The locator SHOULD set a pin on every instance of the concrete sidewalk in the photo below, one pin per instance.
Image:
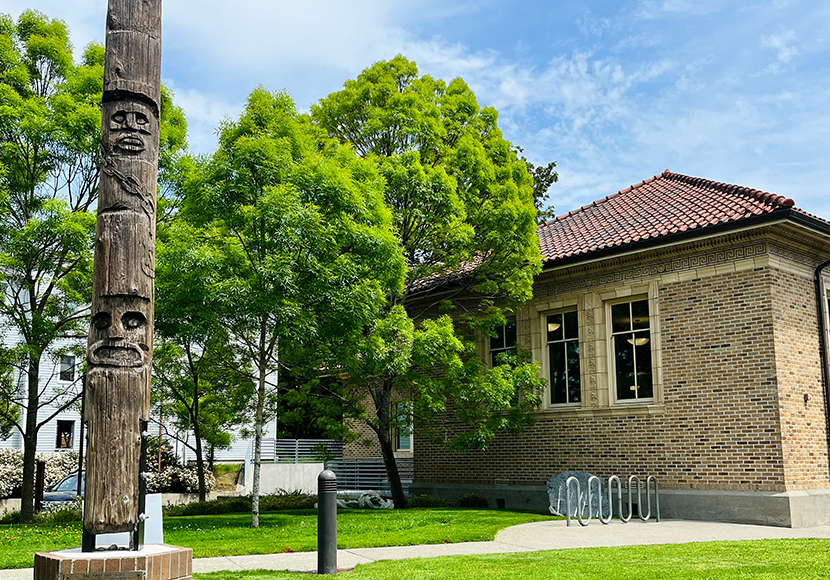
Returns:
(549, 535)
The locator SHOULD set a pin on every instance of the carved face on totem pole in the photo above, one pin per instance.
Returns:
(130, 147)
(120, 335)
(130, 127)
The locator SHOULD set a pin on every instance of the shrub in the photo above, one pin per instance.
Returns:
(60, 513)
(11, 472)
(222, 505)
(426, 501)
(472, 500)
(10, 517)
(58, 465)
(287, 500)
(178, 480)
(168, 456)
(283, 500)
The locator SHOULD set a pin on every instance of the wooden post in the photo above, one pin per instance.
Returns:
(120, 347)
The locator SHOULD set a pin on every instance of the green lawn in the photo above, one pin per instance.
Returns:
(751, 560)
(296, 531)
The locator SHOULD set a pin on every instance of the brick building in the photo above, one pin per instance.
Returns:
(681, 325)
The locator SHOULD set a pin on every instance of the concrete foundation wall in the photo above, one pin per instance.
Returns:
(276, 477)
(793, 509)
(9, 505)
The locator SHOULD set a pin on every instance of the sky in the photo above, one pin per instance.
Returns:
(613, 91)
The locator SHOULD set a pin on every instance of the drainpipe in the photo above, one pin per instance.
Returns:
(821, 299)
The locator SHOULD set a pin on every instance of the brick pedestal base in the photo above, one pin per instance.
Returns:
(154, 562)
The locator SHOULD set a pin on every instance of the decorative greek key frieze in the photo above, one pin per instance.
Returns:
(653, 269)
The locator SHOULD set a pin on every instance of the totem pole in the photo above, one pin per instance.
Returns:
(120, 347)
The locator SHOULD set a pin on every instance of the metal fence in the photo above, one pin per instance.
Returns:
(370, 474)
(300, 450)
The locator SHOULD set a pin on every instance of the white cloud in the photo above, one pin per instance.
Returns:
(781, 43)
(203, 113)
(611, 98)
(650, 9)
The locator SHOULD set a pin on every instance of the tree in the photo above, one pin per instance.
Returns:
(50, 125)
(49, 132)
(301, 238)
(463, 208)
(543, 177)
(200, 379)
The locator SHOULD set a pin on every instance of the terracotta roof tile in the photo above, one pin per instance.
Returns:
(660, 206)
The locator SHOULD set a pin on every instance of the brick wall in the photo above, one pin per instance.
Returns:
(803, 426)
(738, 347)
(365, 445)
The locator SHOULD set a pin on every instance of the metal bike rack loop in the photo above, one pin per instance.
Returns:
(594, 481)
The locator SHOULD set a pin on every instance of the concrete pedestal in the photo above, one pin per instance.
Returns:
(153, 562)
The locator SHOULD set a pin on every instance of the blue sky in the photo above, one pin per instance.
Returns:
(614, 92)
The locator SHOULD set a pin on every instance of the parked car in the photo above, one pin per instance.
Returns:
(65, 490)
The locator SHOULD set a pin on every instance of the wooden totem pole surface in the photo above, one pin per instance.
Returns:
(120, 347)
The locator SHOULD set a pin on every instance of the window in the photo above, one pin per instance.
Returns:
(503, 342)
(63, 439)
(631, 337)
(403, 432)
(67, 372)
(563, 357)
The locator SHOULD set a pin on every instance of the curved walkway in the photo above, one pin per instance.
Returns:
(548, 535)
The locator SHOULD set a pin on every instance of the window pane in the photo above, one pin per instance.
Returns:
(624, 363)
(639, 311)
(510, 334)
(554, 327)
(643, 348)
(557, 373)
(574, 390)
(498, 340)
(621, 317)
(63, 439)
(67, 368)
(571, 325)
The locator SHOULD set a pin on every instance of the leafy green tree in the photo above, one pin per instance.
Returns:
(543, 177)
(199, 376)
(462, 204)
(49, 130)
(301, 237)
(50, 125)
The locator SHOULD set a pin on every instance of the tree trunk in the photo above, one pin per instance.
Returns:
(382, 397)
(197, 433)
(258, 420)
(391, 465)
(27, 492)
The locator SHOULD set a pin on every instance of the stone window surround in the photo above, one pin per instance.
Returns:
(596, 352)
(568, 306)
(612, 371)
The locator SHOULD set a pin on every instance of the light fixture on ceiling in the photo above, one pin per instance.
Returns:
(553, 326)
(637, 341)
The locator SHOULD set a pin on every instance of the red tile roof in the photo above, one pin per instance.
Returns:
(666, 204)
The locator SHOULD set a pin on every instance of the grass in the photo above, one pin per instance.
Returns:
(286, 531)
(756, 560)
(296, 531)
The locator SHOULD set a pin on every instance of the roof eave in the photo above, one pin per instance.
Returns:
(781, 214)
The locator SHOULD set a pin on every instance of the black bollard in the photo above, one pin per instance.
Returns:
(327, 522)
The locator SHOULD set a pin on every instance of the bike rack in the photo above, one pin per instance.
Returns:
(597, 482)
